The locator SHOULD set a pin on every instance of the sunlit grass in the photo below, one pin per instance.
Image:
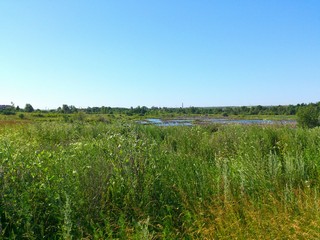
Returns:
(97, 180)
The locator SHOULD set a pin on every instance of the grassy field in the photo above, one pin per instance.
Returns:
(120, 180)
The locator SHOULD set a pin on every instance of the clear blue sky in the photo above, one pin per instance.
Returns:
(159, 53)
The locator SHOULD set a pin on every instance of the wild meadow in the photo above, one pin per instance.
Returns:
(79, 180)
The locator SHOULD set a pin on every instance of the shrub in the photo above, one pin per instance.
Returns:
(308, 117)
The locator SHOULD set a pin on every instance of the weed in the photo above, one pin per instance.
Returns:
(91, 180)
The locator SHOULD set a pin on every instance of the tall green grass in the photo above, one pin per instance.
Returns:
(122, 181)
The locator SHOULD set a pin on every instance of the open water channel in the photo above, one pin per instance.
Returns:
(199, 121)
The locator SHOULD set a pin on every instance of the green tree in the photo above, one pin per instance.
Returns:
(28, 108)
(308, 116)
(66, 108)
(8, 110)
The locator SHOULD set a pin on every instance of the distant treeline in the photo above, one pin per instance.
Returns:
(225, 111)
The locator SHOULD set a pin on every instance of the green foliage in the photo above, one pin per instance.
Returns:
(28, 108)
(7, 109)
(308, 116)
(280, 110)
(66, 109)
(79, 116)
(94, 180)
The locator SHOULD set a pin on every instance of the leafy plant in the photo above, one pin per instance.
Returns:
(308, 116)
(86, 180)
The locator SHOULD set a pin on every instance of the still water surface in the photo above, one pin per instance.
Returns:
(190, 122)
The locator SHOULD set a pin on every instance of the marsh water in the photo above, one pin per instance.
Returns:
(199, 121)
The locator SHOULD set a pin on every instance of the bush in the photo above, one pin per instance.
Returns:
(308, 116)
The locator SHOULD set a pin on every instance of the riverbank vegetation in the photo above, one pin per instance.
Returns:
(119, 180)
(235, 111)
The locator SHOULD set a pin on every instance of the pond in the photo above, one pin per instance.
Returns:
(165, 123)
(201, 121)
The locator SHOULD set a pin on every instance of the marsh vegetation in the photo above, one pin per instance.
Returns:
(93, 180)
